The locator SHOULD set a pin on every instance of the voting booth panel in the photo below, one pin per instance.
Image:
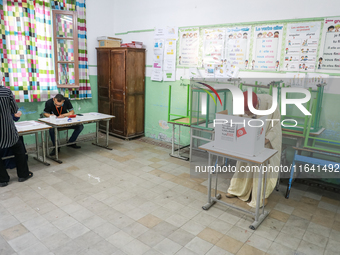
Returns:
(241, 135)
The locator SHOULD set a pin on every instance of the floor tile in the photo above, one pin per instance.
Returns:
(210, 235)
(23, 242)
(76, 230)
(152, 238)
(288, 240)
(229, 244)
(239, 234)
(135, 248)
(167, 247)
(13, 232)
(120, 239)
(199, 246)
(181, 237)
(259, 242)
(248, 249)
(150, 221)
(309, 248)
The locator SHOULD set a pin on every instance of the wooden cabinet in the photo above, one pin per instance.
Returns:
(121, 89)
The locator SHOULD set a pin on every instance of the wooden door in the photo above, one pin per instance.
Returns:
(135, 76)
(118, 91)
(103, 76)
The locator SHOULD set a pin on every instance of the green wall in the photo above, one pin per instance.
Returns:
(31, 111)
(156, 109)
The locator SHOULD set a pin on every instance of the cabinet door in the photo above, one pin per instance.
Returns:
(118, 90)
(103, 76)
(135, 79)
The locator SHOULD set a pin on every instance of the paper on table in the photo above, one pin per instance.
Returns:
(94, 113)
(26, 123)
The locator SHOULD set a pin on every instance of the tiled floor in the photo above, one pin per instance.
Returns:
(136, 200)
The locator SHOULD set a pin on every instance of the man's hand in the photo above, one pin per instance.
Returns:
(18, 114)
(61, 116)
(267, 141)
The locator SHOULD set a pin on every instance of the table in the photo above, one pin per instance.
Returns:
(87, 118)
(33, 127)
(261, 159)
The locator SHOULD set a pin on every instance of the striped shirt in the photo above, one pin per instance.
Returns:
(8, 132)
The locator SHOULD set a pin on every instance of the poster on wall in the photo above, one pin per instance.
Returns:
(170, 60)
(237, 46)
(301, 46)
(157, 64)
(213, 46)
(267, 47)
(329, 57)
(188, 50)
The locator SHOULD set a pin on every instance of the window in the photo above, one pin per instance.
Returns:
(66, 48)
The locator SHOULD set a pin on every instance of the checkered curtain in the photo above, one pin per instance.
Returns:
(26, 49)
(84, 91)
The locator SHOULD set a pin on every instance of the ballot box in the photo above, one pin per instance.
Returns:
(241, 135)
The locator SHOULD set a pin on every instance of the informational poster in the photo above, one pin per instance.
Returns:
(158, 56)
(221, 71)
(213, 46)
(166, 32)
(267, 48)
(301, 46)
(237, 46)
(189, 44)
(209, 70)
(330, 54)
(170, 60)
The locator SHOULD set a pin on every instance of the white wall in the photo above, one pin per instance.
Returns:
(100, 22)
(146, 14)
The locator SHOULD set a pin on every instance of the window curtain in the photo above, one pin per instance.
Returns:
(26, 49)
(84, 91)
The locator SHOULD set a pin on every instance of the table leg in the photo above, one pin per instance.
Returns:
(56, 143)
(190, 153)
(38, 149)
(210, 201)
(43, 148)
(107, 136)
(107, 133)
(97, 132)
(259, 218)
(258, 198)
(264, 188)
(179, 140)
(173, 140)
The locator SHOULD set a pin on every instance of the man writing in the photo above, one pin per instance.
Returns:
(9, 138)
(61, 107)
(244, 185)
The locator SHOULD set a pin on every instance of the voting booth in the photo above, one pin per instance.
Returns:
(241, 135)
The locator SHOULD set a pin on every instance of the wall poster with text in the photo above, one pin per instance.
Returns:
(301, 46)
(237, 46)
(267, 47)
(329, 57)
(189, 44)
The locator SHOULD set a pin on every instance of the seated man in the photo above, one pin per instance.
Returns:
(61, 107)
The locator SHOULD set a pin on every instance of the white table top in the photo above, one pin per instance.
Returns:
(87, 118)
(260, 159)
(30, 126)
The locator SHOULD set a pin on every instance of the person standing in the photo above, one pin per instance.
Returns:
(10, 163)
(9, 138)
